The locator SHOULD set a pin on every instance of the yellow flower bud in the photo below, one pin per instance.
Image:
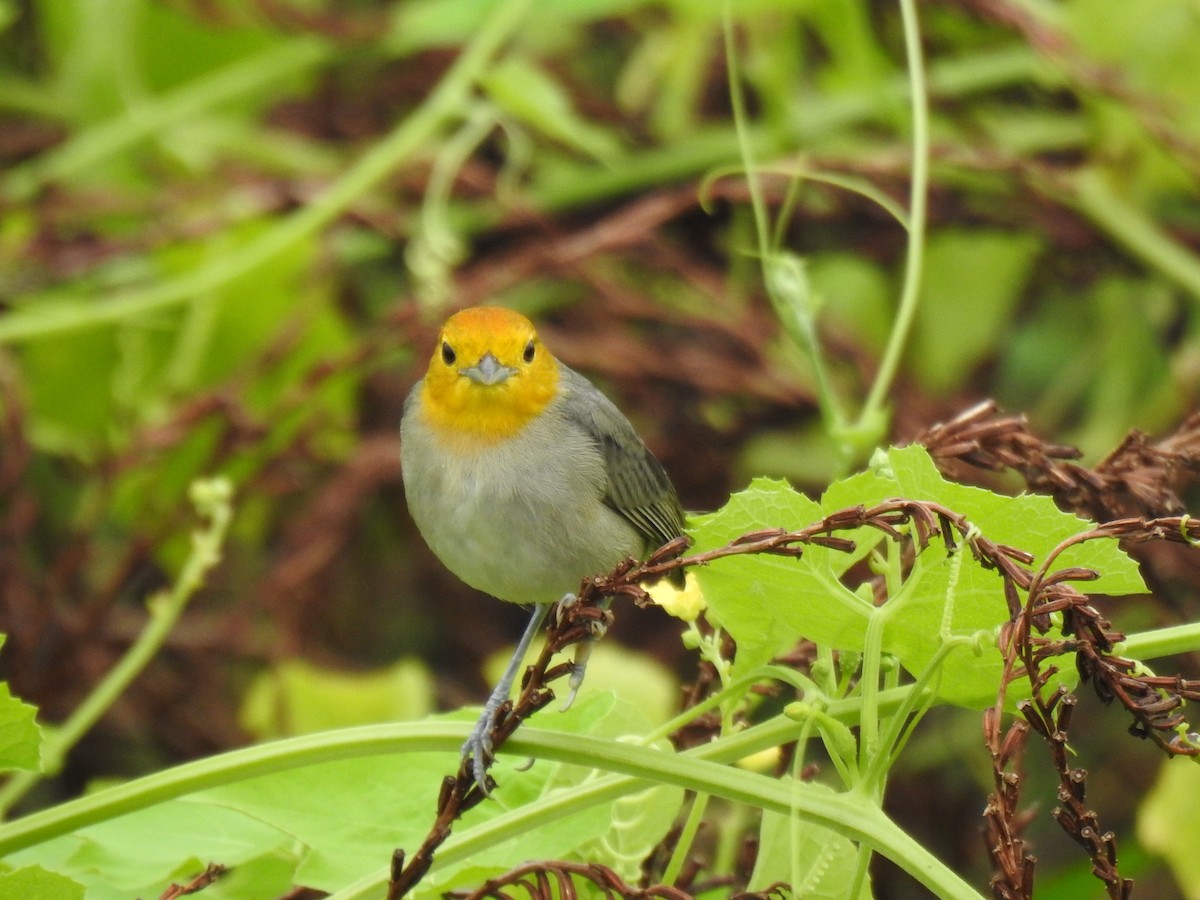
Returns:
(684, 603)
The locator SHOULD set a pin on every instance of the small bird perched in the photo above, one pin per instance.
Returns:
(523, 478)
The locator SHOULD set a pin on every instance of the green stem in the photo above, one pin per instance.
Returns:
(700, 770)
(212, 500)
(727, 695)
(1161, 642)
(920, 694)
(436, 247)
(447, 100)
(278, 756)
(868, 825)
(910, 294)
(783, 280)
(862, 864)
(695, 770)
(745, 144)
(455, 152)
(870, 689)
(687, 836)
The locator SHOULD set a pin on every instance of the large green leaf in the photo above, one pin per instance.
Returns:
(324, 826)
(766, 602)
(37, 883)
(973, 281)
(141, 854)
(298, 697)
(20, 737)
(1167, 822)
(950, 593)
(817, 863)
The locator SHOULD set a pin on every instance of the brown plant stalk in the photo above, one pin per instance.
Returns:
(1129, 491)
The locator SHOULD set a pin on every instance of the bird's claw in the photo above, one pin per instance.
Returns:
(575, 682)
(596, 618)
(597, 626)
(583, 651)
(478, 746)
(563, 607)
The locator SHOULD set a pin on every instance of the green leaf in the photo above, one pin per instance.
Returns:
(855, 297)
(69, 381)
(1154, 44)
(1030, 522)
(298, 697)
(637, 825)
(972, 282)
(950, 594)
(611, 668)
(530, 96)
(806, 454)
(346, 815)
(39, 884)
(142, 853)
(176, 47)
(766, 602)
(817, 863)
(269, 875)
(20, 737)
(1167, 822)
(1113, 370)
(1130, 371)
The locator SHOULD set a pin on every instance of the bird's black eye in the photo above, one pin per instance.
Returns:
(529, 348)
(448, 354)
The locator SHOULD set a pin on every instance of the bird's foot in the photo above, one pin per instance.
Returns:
(595, 618)
(479, 745)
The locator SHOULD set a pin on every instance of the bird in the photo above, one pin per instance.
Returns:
(524, 478)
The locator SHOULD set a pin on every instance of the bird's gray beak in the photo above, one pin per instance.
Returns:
(488, 371)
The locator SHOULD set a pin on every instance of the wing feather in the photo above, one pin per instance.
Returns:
(638, 487)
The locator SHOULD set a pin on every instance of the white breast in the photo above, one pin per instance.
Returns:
(523, 520)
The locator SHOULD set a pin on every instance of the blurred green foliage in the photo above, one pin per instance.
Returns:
(1166, 825)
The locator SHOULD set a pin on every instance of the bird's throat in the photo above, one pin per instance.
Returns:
(468, 415)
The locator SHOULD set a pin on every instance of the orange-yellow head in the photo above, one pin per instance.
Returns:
(490, 375)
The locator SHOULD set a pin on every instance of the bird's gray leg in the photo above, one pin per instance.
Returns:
(479, 744)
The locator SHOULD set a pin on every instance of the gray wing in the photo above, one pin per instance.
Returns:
(638, 486)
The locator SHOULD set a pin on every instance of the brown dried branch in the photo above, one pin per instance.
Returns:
(549, 880)
(1139, 478)
(1152, 701)
(1004, 820)
(211, 873)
